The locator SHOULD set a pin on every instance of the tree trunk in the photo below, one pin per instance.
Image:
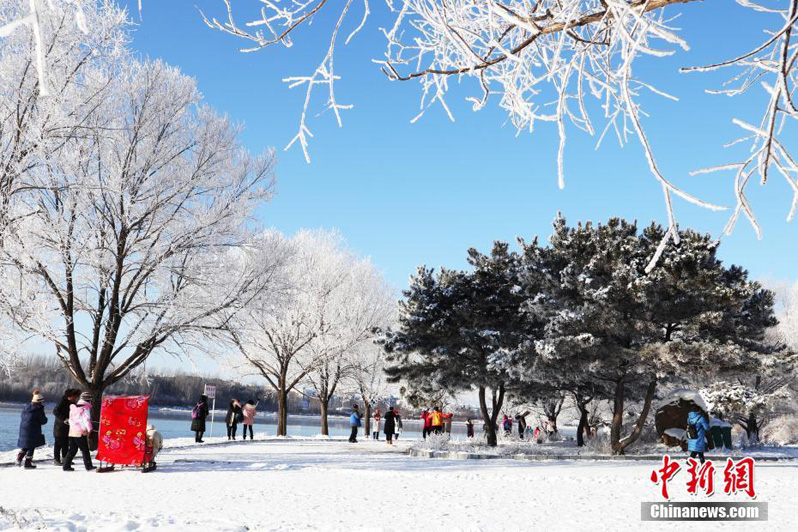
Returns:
(282, 412)
(641, 421)
(489, 418)
(324, 405)
(367, 424)
(96, 408)
(617, 418)
(583, 424)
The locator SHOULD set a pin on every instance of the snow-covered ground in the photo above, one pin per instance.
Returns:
(321, 484)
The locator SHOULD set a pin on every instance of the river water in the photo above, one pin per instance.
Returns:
(173, 423)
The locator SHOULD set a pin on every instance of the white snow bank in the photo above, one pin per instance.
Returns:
(333, 485)
(683, 393)
(675, 433)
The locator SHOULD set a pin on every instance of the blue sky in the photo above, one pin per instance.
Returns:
(410, 194)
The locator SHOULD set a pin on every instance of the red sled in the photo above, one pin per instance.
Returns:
(123, 433)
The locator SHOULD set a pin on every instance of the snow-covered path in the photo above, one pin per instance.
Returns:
(331, 485)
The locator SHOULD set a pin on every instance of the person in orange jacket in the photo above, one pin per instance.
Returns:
(438, 418)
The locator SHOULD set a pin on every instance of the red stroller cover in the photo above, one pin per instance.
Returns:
(123, 428)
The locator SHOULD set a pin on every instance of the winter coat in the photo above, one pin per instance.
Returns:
(427, 417)
(234, 414)
(30, 426)
(154, 441)
(354, 419)
(437, 419)
(699, 444)
(80, 419)
(61, 413)
(390, 423)
(249, 414)
(198, 423)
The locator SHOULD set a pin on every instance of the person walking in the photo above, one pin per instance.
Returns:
(198, 415)
(469, 429)
(375, 429)
(355, 420)
(399, 427)
(507, 425)
(427, 427)
(30, 429)
(697, 428)
(80, 428)
(249, 411)
(234, 416)
(521, 420)
(390, 425)
(61, 424)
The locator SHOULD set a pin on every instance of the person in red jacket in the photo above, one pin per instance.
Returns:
(427, 418)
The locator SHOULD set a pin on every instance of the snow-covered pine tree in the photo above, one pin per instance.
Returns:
(613, 323)
(752, 401)
(461, 331)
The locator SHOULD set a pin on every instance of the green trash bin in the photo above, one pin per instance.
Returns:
(717, 436)
(727, 438)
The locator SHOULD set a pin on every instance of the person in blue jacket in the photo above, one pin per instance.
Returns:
(355, 422)
(698, 445)
(30, 429)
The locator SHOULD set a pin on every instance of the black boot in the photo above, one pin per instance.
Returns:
(20, 456)
(29, 463)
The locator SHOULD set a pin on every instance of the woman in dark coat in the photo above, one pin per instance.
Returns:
(234, 416)
(198, 415)
(30, 429)
(61, 425)
(390, 425)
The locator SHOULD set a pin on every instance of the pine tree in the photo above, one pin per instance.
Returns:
(462, 331)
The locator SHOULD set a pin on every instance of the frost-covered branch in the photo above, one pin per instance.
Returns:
(278, 20)
(770, 66)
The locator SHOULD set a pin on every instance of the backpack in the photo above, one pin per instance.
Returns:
(195, 412)
(692, 431)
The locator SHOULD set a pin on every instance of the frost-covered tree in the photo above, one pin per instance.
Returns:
(274, 335)
(752, 401)
(129, 240)
(460, 331)
(56, 63)
(362, 304)
(614, 322)
(568, 63)
(368, 378)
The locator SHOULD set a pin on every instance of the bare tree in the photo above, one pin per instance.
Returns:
(130, 240)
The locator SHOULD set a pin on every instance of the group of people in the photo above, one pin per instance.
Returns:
(436, 422)
(391, 424)
(71, 430)
(236, 414)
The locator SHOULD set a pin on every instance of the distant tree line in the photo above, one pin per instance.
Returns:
(176, 389)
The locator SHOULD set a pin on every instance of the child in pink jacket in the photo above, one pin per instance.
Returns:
(80, 428)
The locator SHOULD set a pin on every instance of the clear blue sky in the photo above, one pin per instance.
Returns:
(410, 194)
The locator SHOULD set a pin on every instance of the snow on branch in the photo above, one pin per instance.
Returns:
(278, 20)
(771, 66)
(31, 20)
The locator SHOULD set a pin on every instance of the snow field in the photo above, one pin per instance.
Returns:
(287, 484)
